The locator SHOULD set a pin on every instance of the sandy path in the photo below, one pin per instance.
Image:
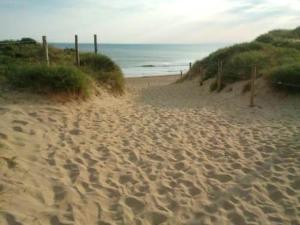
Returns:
(162, 154)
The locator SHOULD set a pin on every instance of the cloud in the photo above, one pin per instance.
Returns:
(155, 21)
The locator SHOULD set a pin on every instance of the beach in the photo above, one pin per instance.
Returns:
(163, 153)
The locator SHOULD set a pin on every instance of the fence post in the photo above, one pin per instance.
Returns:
(190, 72)
(77, 51)
(45, 47)
(201, 77)
(253, 78)
(95, 44)
(219, 78)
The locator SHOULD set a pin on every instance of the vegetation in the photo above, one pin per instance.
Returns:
(103, 70)
(53, 79)
(279, 47)
(22, 65)
(286, 77)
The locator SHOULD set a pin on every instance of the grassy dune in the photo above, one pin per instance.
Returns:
(276, 55)
(22, 66)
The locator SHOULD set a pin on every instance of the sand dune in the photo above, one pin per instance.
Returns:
(162, 154)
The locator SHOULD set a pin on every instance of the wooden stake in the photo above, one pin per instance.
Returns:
(253, 78)
(95, 44)
(219, 77)
(45, 47)
(77, 51)
(190, 72)
(201, 77)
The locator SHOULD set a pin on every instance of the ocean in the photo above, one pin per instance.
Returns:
(150, 59)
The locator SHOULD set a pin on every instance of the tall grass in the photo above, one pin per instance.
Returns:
(26, 54)
(286, 77)
(267, 52)
(104, 70)
(49, 80)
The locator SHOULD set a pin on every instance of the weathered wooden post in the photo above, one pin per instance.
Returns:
(190, 71)
(253, 78)
(201, 76)
(45, 47)
(219, 77)
(77, 51)
(95, 44)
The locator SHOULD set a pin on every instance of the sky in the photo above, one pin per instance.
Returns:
(146, 21)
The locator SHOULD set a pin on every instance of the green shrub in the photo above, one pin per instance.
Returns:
(27, 51)
(49, 80)
(104, 70)
(279, 47)
(265, 38)
(240, 65)
(286, 77)
(210, 63)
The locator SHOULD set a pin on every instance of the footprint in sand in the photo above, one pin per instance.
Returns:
(69, 215)
(73, 170)
(135, 204)
(101, 222)
(59, 193)
(21, 122)
(93, 175)
(3, 136)
(156, 217)
(127, 179)
(18, 129)
(236, 218)
(76, 132)
(90, 161)
(223, 178)
(55, 221)
(11, 220)
(50, 159)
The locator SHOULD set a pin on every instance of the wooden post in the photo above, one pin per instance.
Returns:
(219, 77)
(201, 77)
(45, 47)
(95, 44)
(190, 72)
(253, 78)
(77, 51)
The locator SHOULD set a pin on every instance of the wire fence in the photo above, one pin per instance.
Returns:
(215, 67)
(247, 69)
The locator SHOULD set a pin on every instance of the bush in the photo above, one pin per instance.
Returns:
(49, 80)
(265, 38)
(238, 60)
(286, 77)
(240, 65)
(104, 70)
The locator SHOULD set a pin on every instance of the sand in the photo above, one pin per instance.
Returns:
(161, 154)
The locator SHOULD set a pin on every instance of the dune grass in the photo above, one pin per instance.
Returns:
(103, 70)
(286, 77)
(49, 80)
(27, 55)
(267, 52)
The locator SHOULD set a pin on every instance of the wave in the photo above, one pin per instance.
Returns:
(164, 65)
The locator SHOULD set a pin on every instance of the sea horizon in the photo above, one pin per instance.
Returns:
(150, 59)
